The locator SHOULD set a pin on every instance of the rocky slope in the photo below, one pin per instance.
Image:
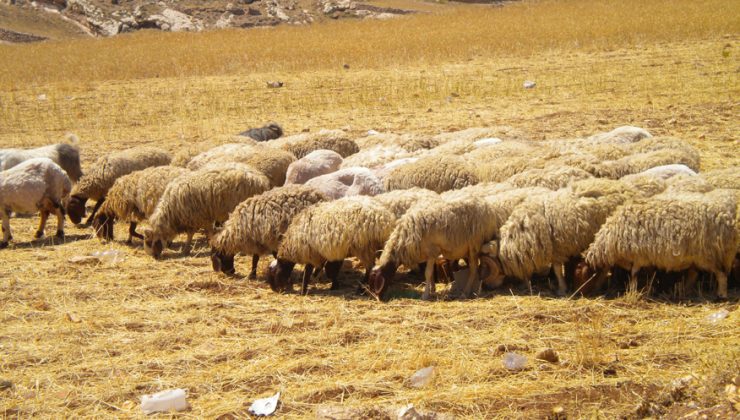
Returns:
(111, 17)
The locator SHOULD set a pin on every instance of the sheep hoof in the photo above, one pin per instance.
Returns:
(39, 234)
(561, 293)
(3, 245)
(252, 276)
(427, 296)
(60, 234)
(720, 299)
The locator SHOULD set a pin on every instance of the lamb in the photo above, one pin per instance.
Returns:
(273, 163)
(671, 232)
(302, 144)
(550, 229)
(436, 172)
(316, 163)
(347, 182)
(133, 198)
(256, 225)
(552, 178)
(329, 233)
(623, 134)
(270, 131)
(66, 155)
(34, 184)
(105, 171)
(198, 199)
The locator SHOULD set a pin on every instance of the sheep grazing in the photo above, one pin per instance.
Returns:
(273, 163)
(256, 225)
(198, 199)
(375, 156)
(501, 169)
(728, 178)
(133, 198)
(399, 202)
(382, 171)
(438, 173)
(347, 182)
(104, 173)
(34, 184)
(550, 229)
(327, 233)
(640, 162)
(623, 134)
(552, 178)
(408, 142)
(454, 229)
(271, 131)
(671, 232)
(66, 155)
(302, 144)
(316, 163)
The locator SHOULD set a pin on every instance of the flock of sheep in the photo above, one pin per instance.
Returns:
(584, 209)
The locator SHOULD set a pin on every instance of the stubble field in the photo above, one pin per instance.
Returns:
(86, 341)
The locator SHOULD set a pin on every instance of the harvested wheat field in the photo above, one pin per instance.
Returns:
(88, 339)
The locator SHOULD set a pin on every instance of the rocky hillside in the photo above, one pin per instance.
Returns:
(111, 17)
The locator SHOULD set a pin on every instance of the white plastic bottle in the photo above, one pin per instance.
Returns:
(164, 401)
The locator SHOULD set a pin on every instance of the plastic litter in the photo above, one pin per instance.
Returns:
(421, 377)
(164, 401)
(718, 316)
(372, 133)
(529, 84)
(112, 256)
(265, 406)
(513, 361)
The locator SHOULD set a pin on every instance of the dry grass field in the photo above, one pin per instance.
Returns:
(85, 341)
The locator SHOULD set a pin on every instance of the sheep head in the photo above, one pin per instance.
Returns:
(76, 208)
(381, 277)
(278, 275)
(222, 262)
(153, 244)
(491, 273)
(103, 226)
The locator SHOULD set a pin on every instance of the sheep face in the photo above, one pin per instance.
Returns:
(381, 277)
(222, 262)
(103, 226)
(278, 275)
(76, 208)
(153, 245)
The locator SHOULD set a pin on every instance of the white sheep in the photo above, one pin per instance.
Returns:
(347, 182)
(66, 155)
(36, 184)
(316, 163)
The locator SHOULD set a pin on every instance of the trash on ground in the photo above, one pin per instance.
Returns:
(529, 84)
(265, 406)
(718, 316)
(421, 377)
(513, 361)
(164, 401)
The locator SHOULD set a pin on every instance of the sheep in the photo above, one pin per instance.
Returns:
(133, 198)
(198, 199)
(455, 226)
(270, 131)
(66, 155)
(640, 162)
(409, 142)
(375, 156)
(436, 172)
(504, 168)
(347, 182)
(256, 225)
(459, 139)
(316, 163)
(302, 144)
(670, 232)
(549, 177)
(105, 171)
(550, 229)
(34, 184)
(329, 233)
(400, 201)
(271, 162)
(623, 134)
(728, 178)
(382, 171)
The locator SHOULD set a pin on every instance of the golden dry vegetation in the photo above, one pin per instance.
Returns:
(87, 340)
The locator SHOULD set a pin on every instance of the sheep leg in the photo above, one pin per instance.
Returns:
(429, 287)
(99, 203)
(332, 268)
(6, 229)
(307, 270)
(473, 285)
(42, 224)
(559, 270)
(188, 244)
(132, 233)
(633, 278)
(721, 285)
(689, 284)
(255, 261)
